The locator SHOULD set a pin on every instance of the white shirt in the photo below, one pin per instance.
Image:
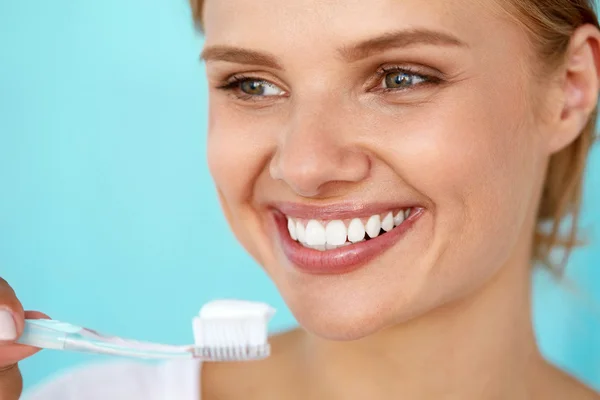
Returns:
(128, 380)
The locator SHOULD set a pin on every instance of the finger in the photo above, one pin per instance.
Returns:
(12, 314)
(11, 383)
(13, 352)
(11, 323)
(12, 318)
(35, 315)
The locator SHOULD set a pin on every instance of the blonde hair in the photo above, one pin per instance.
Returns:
(550, 24)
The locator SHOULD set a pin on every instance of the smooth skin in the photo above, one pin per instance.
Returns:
(302, 111)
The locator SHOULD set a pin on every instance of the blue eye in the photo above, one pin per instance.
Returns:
(401, 80)
(256, 87)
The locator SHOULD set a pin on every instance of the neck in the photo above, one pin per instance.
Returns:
(482, 346)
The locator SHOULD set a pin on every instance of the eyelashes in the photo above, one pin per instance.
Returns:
(403, 78)
(248, 87)
(387, 79)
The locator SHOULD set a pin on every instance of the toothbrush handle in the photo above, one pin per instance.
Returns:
(41, 336)
(50, 334)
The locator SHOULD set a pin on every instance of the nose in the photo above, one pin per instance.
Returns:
(317, 151)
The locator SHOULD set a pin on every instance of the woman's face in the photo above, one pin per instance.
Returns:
(335, 114)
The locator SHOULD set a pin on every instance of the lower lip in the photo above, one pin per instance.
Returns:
(344, 259)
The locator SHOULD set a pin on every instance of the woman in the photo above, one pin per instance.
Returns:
(396, 167)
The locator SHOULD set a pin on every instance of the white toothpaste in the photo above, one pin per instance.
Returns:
(231, 320)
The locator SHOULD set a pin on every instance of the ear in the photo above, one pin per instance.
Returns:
(580, 86)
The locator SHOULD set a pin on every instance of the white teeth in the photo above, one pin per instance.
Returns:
(373, 226)
(300, 232)
(292, 228)
(356, 231)
(335, 233)
(388, 222)
(399, 218)
(315, 233)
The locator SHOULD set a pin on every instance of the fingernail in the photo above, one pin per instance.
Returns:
(8, 329)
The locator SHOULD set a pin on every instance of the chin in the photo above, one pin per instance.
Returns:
(341, 327)
(347, 318)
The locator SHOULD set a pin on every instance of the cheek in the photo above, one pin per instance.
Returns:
(237, 153)
(475, 160)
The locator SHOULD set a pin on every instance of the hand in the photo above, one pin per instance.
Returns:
(12, 320)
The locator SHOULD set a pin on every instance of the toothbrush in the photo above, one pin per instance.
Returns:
(224, 330)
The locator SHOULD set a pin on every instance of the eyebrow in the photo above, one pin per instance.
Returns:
(240, 55)
(353, 53)
(399, 39)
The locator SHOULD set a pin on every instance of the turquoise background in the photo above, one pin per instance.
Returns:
(108, 217)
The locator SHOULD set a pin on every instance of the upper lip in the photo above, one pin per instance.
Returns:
(344, 210)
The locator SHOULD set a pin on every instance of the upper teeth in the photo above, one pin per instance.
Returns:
(335, 233)
(356, 231)
(325, 235)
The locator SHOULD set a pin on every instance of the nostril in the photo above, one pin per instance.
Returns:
(308, 173)
(304, 176)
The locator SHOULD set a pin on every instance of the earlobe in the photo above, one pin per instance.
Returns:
(580, 86)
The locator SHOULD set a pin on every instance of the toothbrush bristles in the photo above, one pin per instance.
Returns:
(231, 338)
(249, 353)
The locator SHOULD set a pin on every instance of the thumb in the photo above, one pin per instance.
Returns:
(11, 381)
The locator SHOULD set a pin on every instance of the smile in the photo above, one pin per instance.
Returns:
(329, 235)
(334, 241)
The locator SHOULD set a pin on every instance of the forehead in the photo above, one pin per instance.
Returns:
(306, 24)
